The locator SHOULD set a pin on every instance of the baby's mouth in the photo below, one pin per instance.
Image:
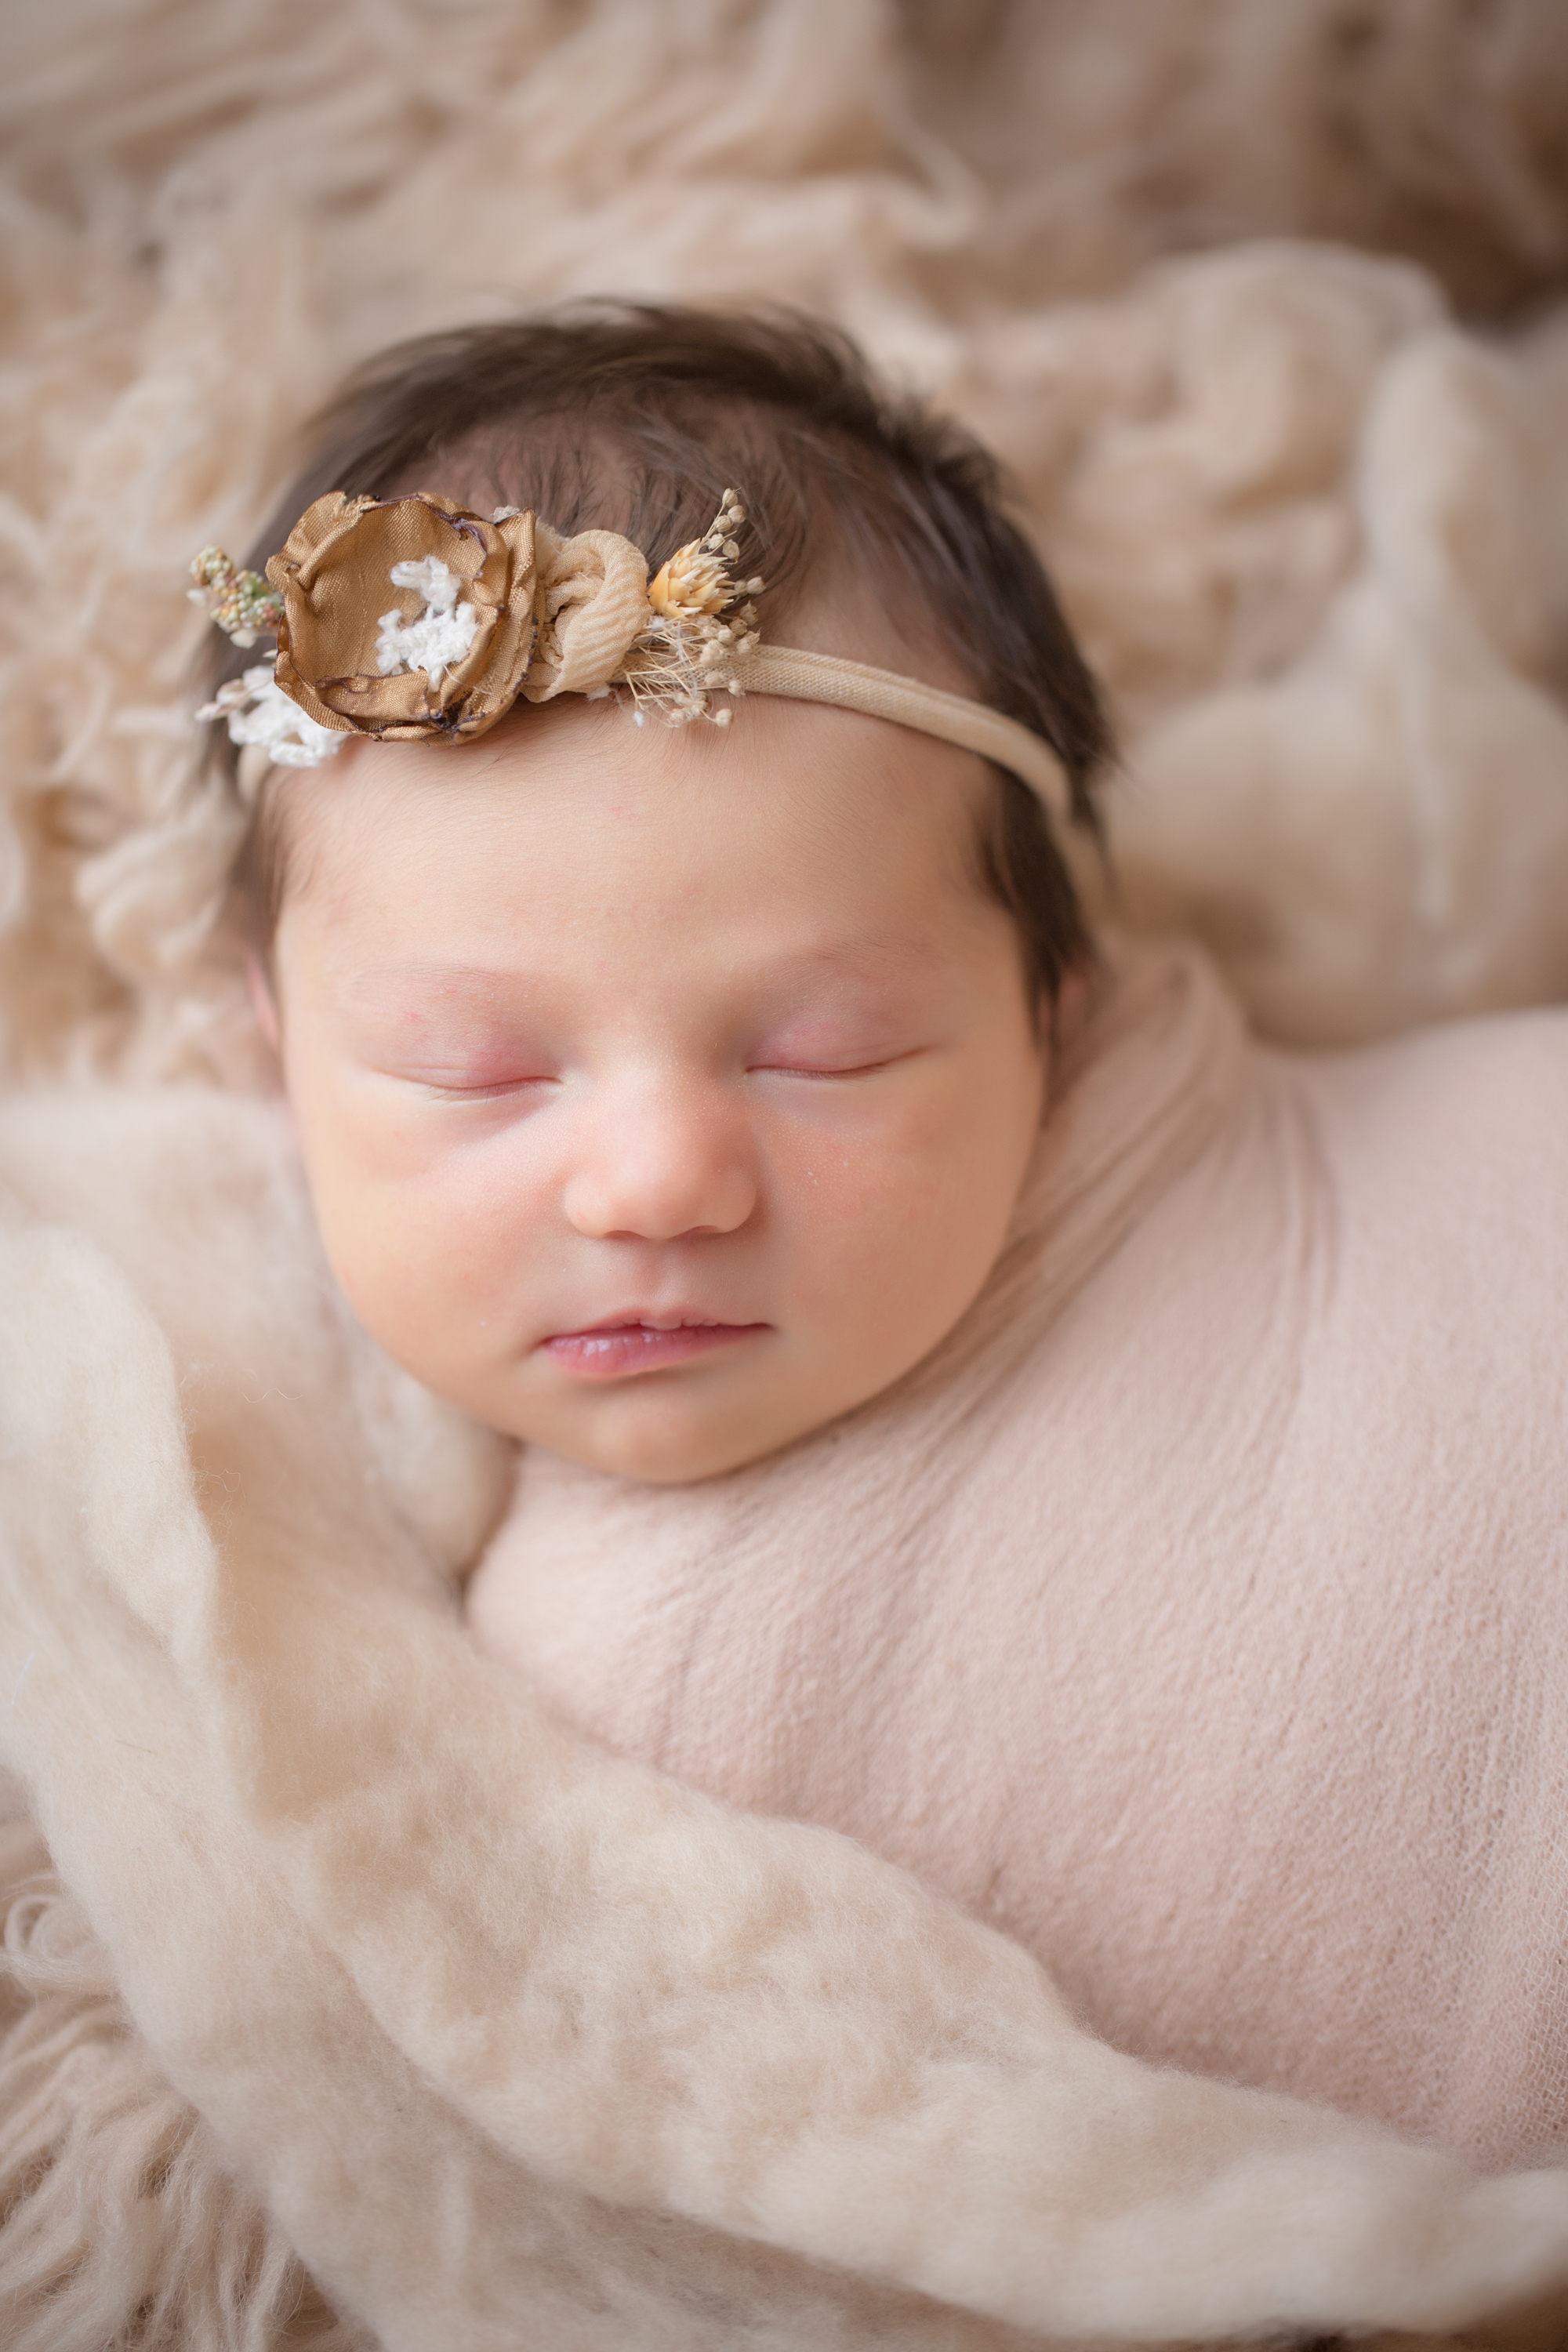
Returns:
(611, 1351)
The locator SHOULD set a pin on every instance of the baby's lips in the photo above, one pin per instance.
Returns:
(617, 1351)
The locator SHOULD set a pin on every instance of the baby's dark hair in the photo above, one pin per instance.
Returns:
(636, 418)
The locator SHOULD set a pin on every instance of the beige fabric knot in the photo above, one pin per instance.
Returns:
(592, 605)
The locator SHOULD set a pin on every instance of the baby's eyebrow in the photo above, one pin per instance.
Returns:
(440, 979)
(450, 981)
(873, 960)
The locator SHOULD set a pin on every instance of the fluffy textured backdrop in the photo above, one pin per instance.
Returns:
(1311, 529)
(1260, 298)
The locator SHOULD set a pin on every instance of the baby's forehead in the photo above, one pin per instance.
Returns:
(470, 974)
(593, 777)
(834, 850)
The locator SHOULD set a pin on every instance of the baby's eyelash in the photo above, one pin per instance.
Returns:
(478, 1090)
(833, 1070)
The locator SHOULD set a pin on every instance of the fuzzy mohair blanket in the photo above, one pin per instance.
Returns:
(279, 1834)
(1313, 530)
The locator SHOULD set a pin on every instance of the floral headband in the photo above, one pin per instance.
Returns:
(489, 610)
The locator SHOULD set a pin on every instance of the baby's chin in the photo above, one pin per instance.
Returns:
(652, 1432)
(650, 1460)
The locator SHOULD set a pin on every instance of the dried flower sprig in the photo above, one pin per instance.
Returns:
(700, 621)
(241, 603)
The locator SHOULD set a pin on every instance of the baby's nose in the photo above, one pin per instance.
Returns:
(660, 1169)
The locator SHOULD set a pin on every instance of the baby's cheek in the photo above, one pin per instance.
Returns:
(910, 1162)
(895, 1227)
(423, 1259)
(862, 1214)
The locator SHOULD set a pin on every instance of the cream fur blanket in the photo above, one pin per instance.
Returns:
(505, 2033)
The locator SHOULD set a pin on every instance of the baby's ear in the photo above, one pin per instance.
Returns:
(1072, 998)
(263, 1003)
(1064, 1018)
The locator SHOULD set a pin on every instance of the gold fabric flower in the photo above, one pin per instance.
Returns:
(404, 618)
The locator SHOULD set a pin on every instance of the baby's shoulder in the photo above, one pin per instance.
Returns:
(1479, 1095)
(1445, 1157)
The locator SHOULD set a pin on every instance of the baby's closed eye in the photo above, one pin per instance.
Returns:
(464, 1069)
(850, 1061)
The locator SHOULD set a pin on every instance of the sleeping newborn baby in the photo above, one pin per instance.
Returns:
(970, 1394)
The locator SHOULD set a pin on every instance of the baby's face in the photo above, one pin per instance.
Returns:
(663, 1094)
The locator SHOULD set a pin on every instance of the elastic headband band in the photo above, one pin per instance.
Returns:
(798, 677)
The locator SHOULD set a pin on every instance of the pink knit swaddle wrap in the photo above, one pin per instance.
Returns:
(1198, 1614)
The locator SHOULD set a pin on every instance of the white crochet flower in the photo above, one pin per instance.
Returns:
(444, 631)
(258, 711)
